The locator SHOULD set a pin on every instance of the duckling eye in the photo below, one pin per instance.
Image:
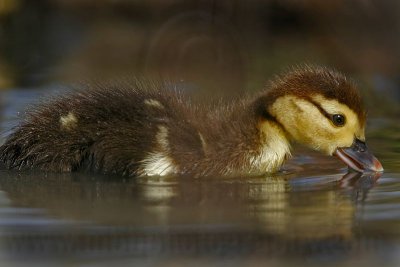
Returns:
(338, 119)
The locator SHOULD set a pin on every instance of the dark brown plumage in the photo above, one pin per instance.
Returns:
(115, 129)
(148, 128)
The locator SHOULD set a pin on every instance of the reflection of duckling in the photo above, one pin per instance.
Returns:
(147, 129)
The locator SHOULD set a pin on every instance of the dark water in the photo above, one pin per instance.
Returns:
(313, 212)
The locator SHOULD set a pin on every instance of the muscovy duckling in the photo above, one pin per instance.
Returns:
(145, 128)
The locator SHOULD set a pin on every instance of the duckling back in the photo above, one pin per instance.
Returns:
(121, 130)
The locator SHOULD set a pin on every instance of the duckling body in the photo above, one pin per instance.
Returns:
(146, 128)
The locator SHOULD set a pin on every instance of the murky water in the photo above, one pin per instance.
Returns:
(313, 212)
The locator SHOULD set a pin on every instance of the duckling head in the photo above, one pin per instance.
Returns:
(322, 109)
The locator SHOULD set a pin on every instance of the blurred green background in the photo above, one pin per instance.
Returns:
(221, 46)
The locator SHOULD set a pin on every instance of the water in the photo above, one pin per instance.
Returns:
(313, 212)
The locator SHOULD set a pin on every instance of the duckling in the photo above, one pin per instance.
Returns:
(146, 128)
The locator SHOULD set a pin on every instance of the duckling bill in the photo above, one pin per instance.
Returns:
(146, 128)
(358, 157)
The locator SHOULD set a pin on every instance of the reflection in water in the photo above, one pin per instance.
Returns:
(274, 204)
(319, 210)
(202, 214)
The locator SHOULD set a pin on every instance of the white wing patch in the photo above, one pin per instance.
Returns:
(153, 103)
(69, 121)
(162, 138)
(159, 162)
(203, 143)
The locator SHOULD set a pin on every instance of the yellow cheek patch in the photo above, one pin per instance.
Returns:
(306, 123)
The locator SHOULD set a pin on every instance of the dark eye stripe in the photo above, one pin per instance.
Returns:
(326, 114)
(318, 106)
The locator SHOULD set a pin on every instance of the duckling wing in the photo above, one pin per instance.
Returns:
(108, 130)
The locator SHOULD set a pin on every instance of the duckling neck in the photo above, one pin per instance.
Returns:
(249, 140)
(270, 137)
(274, 145)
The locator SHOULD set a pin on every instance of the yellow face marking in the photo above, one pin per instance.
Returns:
(69, 121)
(274, 151)
(153, 103)
(306, 124)
(352, 122)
